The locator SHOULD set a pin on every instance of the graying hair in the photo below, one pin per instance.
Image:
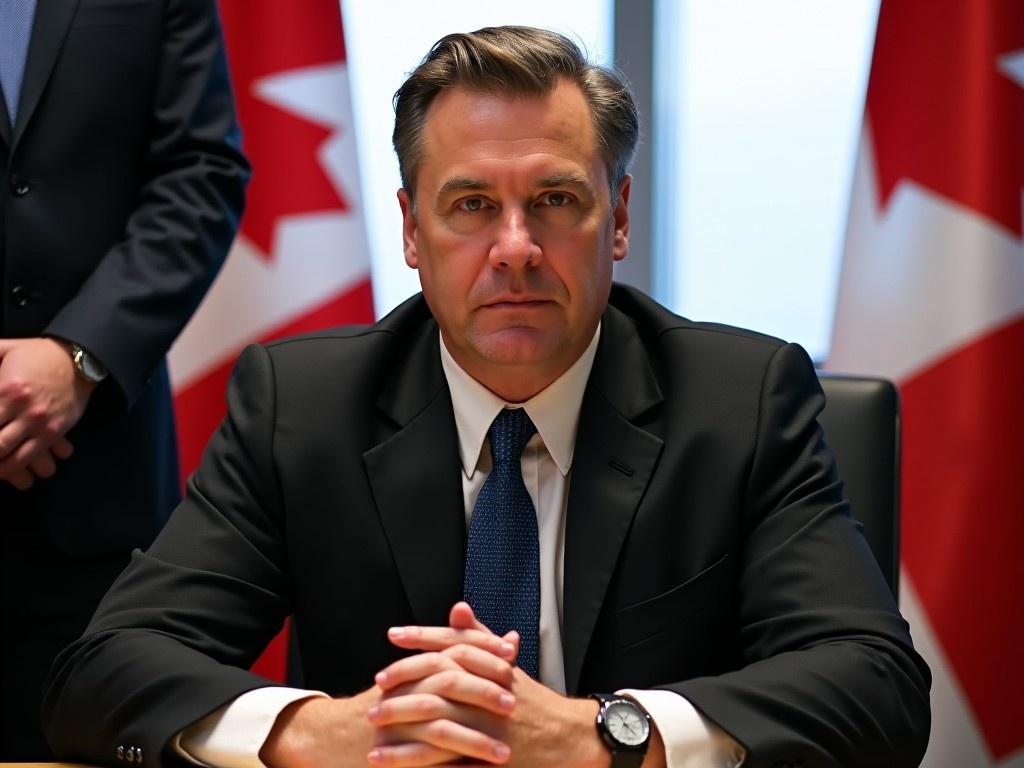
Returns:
(516, 61)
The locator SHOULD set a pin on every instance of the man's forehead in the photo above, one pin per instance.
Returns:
(470, 137)
(459, 114)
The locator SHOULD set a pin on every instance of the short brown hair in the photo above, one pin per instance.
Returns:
(517, 61)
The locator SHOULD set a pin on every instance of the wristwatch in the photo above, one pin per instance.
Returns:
(625, 727)
(89, 367)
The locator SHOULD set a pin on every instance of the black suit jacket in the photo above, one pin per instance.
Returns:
(123, 184)
(708, 549)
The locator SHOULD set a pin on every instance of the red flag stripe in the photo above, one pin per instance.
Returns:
(963, 519)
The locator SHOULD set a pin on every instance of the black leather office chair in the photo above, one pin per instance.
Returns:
(862, 426)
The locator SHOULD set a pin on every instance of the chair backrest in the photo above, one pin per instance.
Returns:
(861, 421)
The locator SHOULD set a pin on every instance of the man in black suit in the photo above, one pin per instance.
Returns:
(640, 507)
(122, 188)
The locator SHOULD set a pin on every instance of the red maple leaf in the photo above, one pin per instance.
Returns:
(941, 111)
(263, 39)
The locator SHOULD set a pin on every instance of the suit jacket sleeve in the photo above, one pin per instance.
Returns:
(172, 640)
(831, 676)
(143, 291)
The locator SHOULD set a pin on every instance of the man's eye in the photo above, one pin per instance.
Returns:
(472, 204)
(557, 199)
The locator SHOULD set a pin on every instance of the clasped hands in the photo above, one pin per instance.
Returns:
(459, 701)
(41, 398)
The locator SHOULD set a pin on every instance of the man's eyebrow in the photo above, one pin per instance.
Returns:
(569, 178)
(462, 183)
(468, 183)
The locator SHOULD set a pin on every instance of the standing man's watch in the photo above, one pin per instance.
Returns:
(88, 367)
(625, 727)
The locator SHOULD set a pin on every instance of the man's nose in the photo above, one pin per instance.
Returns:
(514, 245)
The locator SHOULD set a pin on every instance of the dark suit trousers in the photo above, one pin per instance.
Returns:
(48, 598)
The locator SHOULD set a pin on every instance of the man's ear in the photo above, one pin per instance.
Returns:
(620, 216)
(408, 228)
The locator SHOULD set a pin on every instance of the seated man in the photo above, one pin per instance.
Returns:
(630, 504)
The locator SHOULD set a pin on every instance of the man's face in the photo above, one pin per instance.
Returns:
(514, 233)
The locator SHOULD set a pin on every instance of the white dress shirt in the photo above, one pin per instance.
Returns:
(232, 736)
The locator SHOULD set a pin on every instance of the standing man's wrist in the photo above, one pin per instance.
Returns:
(88, 371)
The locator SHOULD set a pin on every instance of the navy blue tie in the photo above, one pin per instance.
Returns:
(15, 30)
(502, 553)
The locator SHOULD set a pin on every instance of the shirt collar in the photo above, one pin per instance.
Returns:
(555, 411)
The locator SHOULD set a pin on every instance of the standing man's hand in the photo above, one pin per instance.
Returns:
(41, 398)
(544, 728)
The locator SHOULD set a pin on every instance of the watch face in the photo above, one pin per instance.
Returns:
(626, 724)
(89, 366)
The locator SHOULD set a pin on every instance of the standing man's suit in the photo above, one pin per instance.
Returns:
(122, 188)
(707, 549)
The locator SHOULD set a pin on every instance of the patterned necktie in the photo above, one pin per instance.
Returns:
(15, 30)
(502, 552)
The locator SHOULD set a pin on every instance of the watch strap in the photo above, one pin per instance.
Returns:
(622, 759)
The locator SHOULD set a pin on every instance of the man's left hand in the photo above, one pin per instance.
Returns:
(544, 728)
(41, 398)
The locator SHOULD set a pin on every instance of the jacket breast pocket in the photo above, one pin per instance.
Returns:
(657, 614)
(116, 14)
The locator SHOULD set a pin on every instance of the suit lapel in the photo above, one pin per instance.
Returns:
(415, 476)
(53, 17)
(612, 465)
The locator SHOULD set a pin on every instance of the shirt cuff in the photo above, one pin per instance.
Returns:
(691, 740)
(232, 736)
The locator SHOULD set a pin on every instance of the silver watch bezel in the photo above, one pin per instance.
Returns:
(622, 752)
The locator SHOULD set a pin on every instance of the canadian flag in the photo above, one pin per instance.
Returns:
(301, 259)
(932, 296)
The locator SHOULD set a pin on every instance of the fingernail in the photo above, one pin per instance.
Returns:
(381, 678)
(501, 751)
(508, 648)
(398, 632)
(372, 712)
(507, 700)
(374, 756)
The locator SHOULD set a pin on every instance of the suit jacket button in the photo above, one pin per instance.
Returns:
(120, 752)
(138, 755)
(19, 295)
(130, 757)
(19, 185)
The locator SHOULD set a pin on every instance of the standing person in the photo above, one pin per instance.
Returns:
(123, 184)
(635, 506)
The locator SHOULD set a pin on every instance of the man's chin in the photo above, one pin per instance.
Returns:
(516, 346)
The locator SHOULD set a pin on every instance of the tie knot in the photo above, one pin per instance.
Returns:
(510, 431)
